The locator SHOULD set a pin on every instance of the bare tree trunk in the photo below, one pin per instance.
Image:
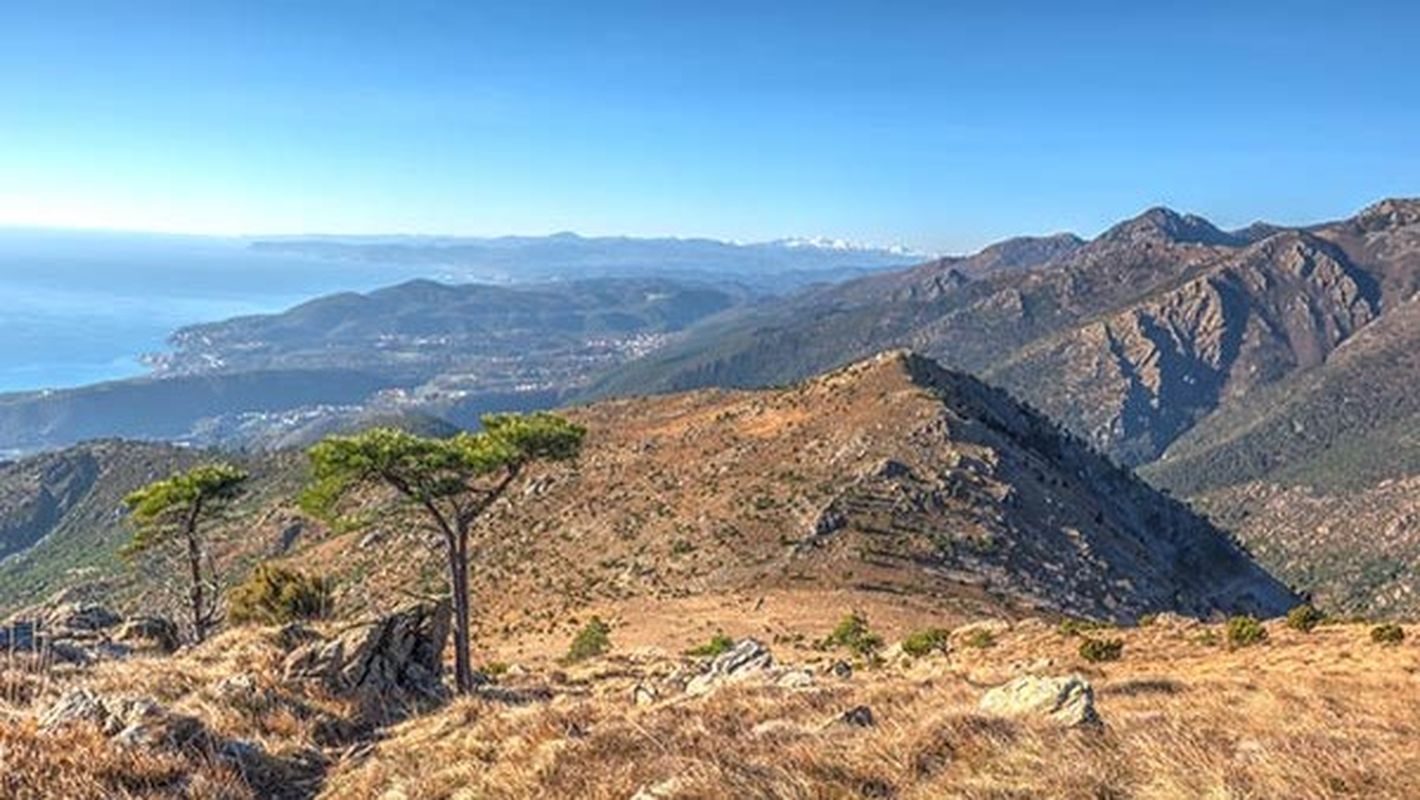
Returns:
(458, 588)
(194, 563)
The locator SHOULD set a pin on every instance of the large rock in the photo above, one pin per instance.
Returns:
(747, 659)
(1067, 700)
(401, 655)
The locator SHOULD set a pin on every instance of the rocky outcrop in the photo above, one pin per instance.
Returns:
(745, 660)
(142, 723)
(399, 657)
(83, 632)
(1068, 700)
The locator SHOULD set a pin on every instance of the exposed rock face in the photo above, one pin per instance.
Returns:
(1134, 382)
(1068, 701)
(399, 656)
(747, 659)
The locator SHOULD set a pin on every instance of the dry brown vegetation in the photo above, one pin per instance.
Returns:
(1325, 714)
(1320, 714)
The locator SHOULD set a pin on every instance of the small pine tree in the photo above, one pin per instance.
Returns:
(594, 639)
(175, 510)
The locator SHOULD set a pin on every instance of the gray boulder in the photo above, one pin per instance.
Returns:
(1067, 700)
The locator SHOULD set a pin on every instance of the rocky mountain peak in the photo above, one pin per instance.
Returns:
(1160, 224)
(1393, 212)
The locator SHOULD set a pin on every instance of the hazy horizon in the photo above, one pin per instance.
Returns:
(937, 129)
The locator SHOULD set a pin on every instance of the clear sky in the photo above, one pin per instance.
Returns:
(939, 125)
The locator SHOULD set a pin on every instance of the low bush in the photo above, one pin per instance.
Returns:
(1304, 618)
(1074, 626)
(980, 639)
(925, 642)
(273, 595)
(1244, 631)
(852, 632)
(719, 643)
(1389, 633)
(594, 639)
(1097, 650)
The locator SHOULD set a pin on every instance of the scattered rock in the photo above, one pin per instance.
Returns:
(75, 705)
(148, 633)
(1067, 700)
(288, 536)
(858, 717)
(842, 669)
(665, 790)
(796, 679)
(745, 659)
(80, 617)
(644, 695)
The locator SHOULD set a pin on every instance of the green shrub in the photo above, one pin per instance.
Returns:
(1145, 620)
(1304, 618)
(719, 643)
(853, 633)
(1074, 626)
(1244, 631)
(495, 668)
(1389, 633)
(1097, 650)
(981, 639)
(925, 642)
(592, 640)
(273, 595)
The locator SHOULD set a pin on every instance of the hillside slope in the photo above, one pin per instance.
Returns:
(891, 476)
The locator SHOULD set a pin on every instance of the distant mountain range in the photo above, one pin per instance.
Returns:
(1222, 363)
(775, 266)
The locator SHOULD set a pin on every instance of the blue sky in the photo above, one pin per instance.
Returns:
(939, 125)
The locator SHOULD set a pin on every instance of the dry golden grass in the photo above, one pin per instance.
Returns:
(79, 763)
(1325, 715)
(1319, 715)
